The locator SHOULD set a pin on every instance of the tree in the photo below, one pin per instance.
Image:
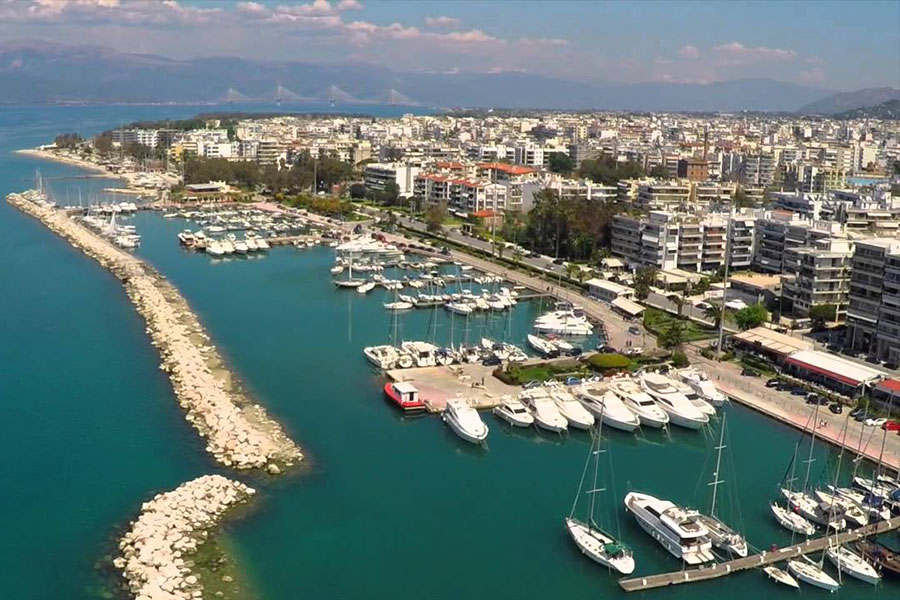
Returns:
(678, 301)
(679, 359)
(559, 162)
(702, 286)
(607, 170)
(391, 222)
(434, 217)
(103, 143)
(751, 316)
(390, 194)
(659, 172)
(68, 140)
(643, 279)
(357, 191)
(714, 312)
(822, 313)
(672, 336)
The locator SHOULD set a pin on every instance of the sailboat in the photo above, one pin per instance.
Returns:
(349, 282)
(722, 536)
(809, 572)
(780, 576)
(593, 541)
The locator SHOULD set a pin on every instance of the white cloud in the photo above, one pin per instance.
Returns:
(442, 21)
(735, 53)
(688, 51)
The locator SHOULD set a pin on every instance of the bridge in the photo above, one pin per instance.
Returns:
(636, 584)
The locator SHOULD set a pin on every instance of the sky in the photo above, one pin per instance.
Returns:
(833, 45)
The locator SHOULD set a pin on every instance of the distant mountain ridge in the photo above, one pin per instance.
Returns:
(845, 101)
(33, 71)
(889, 110)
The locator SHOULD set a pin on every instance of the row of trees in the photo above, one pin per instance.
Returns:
(604, 169)
(287, 180)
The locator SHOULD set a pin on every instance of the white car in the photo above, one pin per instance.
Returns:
(875, 422)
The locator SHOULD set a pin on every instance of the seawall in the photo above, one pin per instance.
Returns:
(238, 432)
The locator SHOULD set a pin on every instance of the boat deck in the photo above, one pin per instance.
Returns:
(762, 559)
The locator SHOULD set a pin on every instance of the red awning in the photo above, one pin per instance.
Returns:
(825, 372)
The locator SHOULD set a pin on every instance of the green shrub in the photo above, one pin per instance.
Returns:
(708, 353)
(609, 361)
(680, 359)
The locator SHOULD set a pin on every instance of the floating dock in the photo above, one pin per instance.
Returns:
(762, 559)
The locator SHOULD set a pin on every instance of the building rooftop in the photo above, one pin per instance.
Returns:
(756, 280)
(773, 341)
(835, 367)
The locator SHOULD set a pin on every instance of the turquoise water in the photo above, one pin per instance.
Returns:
(385, 505)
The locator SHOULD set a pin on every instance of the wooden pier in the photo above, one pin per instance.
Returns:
(762, 559)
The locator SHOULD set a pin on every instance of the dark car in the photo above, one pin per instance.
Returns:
(812, 399)
(558, 261)
(634, 330)
(491, 361)
(836, 408)
(606, 349)
(861, 416)
(856, 411)
(798, 391)
(747, 372)
(872, 359)
(533, 255)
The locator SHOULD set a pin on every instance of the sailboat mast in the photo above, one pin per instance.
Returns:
(596, 455)
(812, 443)
(716, 481)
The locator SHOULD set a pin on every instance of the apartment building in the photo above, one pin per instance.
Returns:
(742, 241)
(758, 170)
(461, 194)
(145, 137)
(665, 195)
(779, 230)
(270, 152)
(873, 315)
(377, 175)
(818, 275)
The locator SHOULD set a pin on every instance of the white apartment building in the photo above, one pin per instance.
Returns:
(461, 194)
(818, 275)
(378, 174)
(665, 195)
(873, 317)
(270, 152)
(779, 230)
(145, 137)
(530, 155)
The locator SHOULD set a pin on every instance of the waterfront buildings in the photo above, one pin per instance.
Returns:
(873, 316)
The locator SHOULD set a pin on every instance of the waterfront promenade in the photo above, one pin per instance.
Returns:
(238, 432)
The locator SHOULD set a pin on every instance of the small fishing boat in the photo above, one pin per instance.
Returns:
(405, 395)
(465, 421)
(514, 412)
(782, 577)
(337, 269)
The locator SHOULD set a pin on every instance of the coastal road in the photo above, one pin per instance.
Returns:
(795, 410)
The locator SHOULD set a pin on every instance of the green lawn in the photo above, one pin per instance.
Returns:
(656, 321)
(518, 375)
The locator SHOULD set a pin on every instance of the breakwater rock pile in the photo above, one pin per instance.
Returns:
(155, 552)
(238, 432)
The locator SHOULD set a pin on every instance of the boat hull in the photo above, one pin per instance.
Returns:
(472, 437)
(512, 419)
(591, 543)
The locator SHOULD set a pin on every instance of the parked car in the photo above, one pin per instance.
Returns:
(812, 398)
(748, 372)
(891, 426)
(798, 391)
(634, 330)
(773, 383)
(861, 417)
(607, 349)
(491, 361)
(836, 408)
(703, 306)
(875, 422)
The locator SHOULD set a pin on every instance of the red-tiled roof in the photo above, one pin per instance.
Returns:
(481, 214)
(890, 384)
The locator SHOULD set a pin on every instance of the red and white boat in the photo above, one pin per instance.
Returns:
(404, 395)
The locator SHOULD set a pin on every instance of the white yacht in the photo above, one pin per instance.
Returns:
(607, 407)
(701, 384)
(810, 573)
(694, 398)
(337, 269)
(780, 576)
(240, 247)
(459, 308)
(680, 410)
(214, 248)
(397, 305)
(423, 353)
(573, 411)
(252, 246)
(366, 287)
(792, 521)
(262, 244)
(542, 346)
(543, 409)
(465, 421)
(849, 509)
(850, 563)
(639, 402)
(381, 356)
(678, 530)
(874, 509)
(514, 412)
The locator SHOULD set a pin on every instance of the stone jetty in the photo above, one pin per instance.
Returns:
(238, 432)
(156, 551)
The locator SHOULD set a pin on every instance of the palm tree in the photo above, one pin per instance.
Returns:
(714, 312)
(677, 300)
(572, 270)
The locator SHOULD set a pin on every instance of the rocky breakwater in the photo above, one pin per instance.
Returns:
(155, 552)
(238, 432)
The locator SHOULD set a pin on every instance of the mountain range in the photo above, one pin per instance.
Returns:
(848, 101)
(38, 72)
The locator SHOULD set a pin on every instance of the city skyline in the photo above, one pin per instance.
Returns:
(832, 45)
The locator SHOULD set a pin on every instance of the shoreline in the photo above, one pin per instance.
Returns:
(130, 177)
(238, 432)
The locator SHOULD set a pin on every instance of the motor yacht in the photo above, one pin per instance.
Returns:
(262, 244)
(792, 521)
(405, 395)
(639, 402)
(366, 287)
(570, 408)
(694, 398)
(214, 248)
(543, 409)
(384, 356)
(465, 421)
(680, 410)
(678, 530)
(514, 412)
(810, 573)
(606, 406)
(423, 353)
(240, 247)
(850, 563)
(701, 384)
